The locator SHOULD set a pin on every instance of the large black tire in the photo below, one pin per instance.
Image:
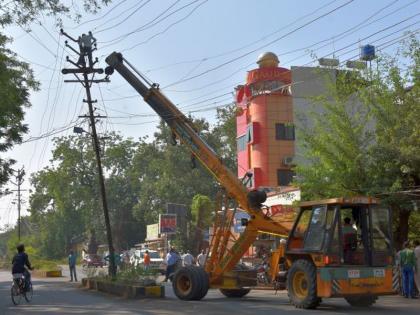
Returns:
(235, 293)
(205, 284)
(301, 285)
(361, 301)
(189, 283)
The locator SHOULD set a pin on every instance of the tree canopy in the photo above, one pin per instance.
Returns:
(16, 77)
(141, 177)
(16, 82)
(365, 139)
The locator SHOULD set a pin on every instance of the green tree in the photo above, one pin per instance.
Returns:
(365, 139)
(66, 204)
(16, 81)
(201, 210)
(225, 131)
(16, 77)
(26, 11)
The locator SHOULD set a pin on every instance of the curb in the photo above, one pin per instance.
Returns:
(47, 273)
(124, 290)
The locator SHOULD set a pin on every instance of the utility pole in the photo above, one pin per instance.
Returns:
(19, 182)
(85, 67)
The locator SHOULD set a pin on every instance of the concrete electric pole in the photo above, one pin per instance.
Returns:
(18, 184)
(85, 67)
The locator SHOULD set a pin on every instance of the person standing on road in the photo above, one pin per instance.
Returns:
(188, 259)
(171, 260)
(408, 265)
(146, 260)
(201, 258)
(72, 266)
(417, 254)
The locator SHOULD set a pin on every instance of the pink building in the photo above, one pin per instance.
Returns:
(265, 130)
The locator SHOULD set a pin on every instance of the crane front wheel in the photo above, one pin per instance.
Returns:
(301, 284)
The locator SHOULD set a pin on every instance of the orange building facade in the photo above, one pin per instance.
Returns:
(265, 130)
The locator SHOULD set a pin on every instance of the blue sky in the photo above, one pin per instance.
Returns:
(196, 39)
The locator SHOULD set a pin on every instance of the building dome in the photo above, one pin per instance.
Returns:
(268, 59)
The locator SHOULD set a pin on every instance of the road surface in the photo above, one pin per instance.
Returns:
(58, 296)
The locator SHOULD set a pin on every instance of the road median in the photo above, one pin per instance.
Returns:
(125, 290)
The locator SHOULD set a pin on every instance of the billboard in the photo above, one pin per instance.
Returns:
(152, 231)
(181, 212)
(167, 223)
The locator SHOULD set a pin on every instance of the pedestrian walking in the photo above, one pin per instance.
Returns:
(146, 260)
(408, 265)
(201, 258)
(187, 259)
(417, 273)
(171, 260)
(72, 266)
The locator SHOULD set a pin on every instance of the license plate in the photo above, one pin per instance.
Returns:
(379, 273)
(353, 274)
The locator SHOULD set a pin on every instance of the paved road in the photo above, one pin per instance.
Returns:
(58, 296)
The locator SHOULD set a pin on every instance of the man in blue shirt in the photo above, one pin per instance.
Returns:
(171, 260)
(72, 266)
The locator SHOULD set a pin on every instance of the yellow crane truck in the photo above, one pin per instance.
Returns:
(335, 248)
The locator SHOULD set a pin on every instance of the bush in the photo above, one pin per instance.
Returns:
(45, 265)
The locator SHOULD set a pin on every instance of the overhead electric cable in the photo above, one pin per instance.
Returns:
(124, 20)
(260, 47)
(167, 28)
(147, 25)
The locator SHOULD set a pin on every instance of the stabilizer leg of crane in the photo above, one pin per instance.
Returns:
(362, 301)
(235, 293)
(190, 283)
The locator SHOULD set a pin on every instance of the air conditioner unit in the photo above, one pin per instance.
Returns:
(288, 160)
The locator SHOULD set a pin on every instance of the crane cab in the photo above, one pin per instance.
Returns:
(340, 248)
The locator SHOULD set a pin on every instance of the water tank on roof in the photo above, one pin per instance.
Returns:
(367, 52)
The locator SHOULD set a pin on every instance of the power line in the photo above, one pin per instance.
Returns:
(101, 17)
(145, 115)
(167, 28)
(260, 47)
(148, 24)
(244, 67)
(117, 16)
(125, 19)
(247, 45)
(50, 133)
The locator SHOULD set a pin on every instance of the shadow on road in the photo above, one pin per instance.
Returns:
(61, 297)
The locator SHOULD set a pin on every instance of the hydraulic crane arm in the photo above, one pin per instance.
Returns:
(185, 131)
(183, 128)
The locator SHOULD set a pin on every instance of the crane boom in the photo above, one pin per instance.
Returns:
(184, 129)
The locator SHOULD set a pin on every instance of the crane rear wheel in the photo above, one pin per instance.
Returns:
(190, 283)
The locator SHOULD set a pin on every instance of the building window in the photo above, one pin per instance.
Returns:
(241, 141)
(284, 177)
(285, 132)
(250, 133)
